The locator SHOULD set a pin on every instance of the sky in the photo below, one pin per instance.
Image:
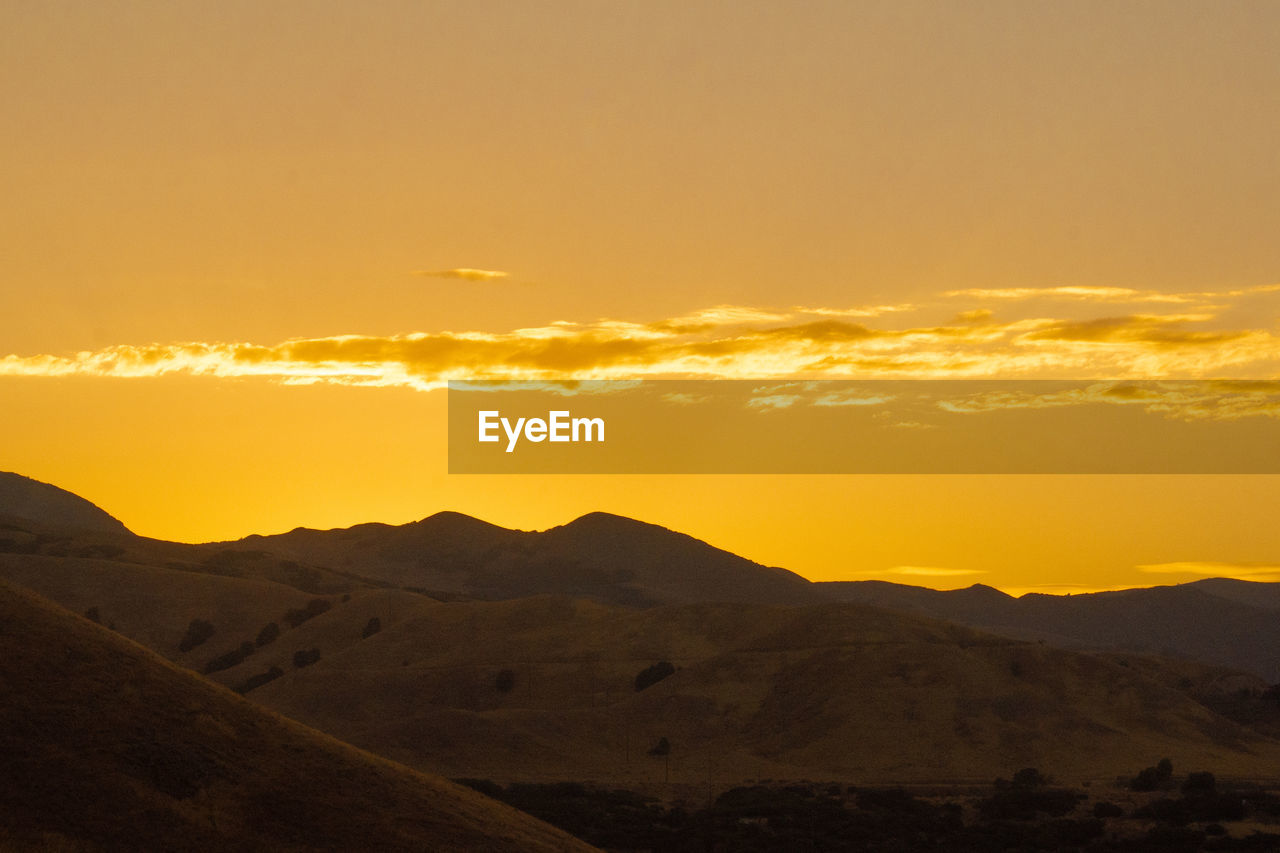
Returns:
(244, 244)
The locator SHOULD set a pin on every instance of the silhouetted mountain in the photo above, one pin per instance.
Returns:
(107, 747)
(22, 497)
(1220, 621)
(601, 556)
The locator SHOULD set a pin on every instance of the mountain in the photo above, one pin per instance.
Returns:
(108, 747)
(24, 498)
(1217, 621)
(544, 688)
(600, 556)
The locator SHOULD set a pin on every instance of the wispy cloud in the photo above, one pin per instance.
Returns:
(723, 341)
(463, 273)
(1268, 572)
(1207, 400)
(1076, 293)
(933, 571)
(1102, 295)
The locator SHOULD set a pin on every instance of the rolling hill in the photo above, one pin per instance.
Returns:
(469, 649)
(107, 747)
(25, 498)
(600, 556)
(828, 691)
(1218, 621)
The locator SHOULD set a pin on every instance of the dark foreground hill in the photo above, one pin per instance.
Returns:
(105, 746)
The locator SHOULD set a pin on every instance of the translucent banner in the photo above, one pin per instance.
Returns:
(865, 427)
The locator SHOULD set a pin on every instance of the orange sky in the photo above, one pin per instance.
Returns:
(204, 202)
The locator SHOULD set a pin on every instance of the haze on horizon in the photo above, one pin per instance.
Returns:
(222, 220)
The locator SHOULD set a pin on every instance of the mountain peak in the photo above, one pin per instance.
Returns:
(32, 500)
(607, 520)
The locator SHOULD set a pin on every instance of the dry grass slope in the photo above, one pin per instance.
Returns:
(830, 691)
(106, 746)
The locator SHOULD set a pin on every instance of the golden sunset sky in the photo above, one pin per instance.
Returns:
(244, 243)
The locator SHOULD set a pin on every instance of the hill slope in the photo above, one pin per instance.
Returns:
(1223, 622)
(828, 691)
(601, 556)
(106, 746)
(22, 497)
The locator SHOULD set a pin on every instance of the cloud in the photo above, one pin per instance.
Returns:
(1162, 330)
(1209, 400)
(463, 273)
(1076, 293)
(724, 341)
(933, 571)
(1263, 572)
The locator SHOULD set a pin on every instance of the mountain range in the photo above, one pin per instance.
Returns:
(461, 649)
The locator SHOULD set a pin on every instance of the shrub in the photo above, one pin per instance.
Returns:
(269, 634)
(93, 615)
(197, 633)
(1028, 777)
(229, 659)
(1015, 803)
(662, 747)
(1104, 809)
(651, 675)
(1151, 778)
(305, 657)
(314, 608)
(373, 626)
(1200, 783)
(505, 681)
(260, 679)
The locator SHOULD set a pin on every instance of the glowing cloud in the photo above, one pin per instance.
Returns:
(463, 273)
(1264, 572)
(723, 341)
(933, 571)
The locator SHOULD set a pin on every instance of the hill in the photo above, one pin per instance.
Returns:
(599, 556)
(829, 691)
(24, 498)
(1217, 621)
(108, 747)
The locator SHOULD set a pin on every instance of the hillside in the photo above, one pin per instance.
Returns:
(1216, 621)
(108, 747)
(605, 558)
(830, 691)
(24, 498)
(600, 556)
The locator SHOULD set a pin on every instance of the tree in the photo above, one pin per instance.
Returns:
(1028, 777)
(1151, 778)
(505, 681)
(197, 633)
(269, 634)
(651, 675)
(373, 626)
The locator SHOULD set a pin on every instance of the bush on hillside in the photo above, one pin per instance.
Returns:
(229, 659)
(198, 632)
(315, 607)
(269, 634)
(651, 675)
